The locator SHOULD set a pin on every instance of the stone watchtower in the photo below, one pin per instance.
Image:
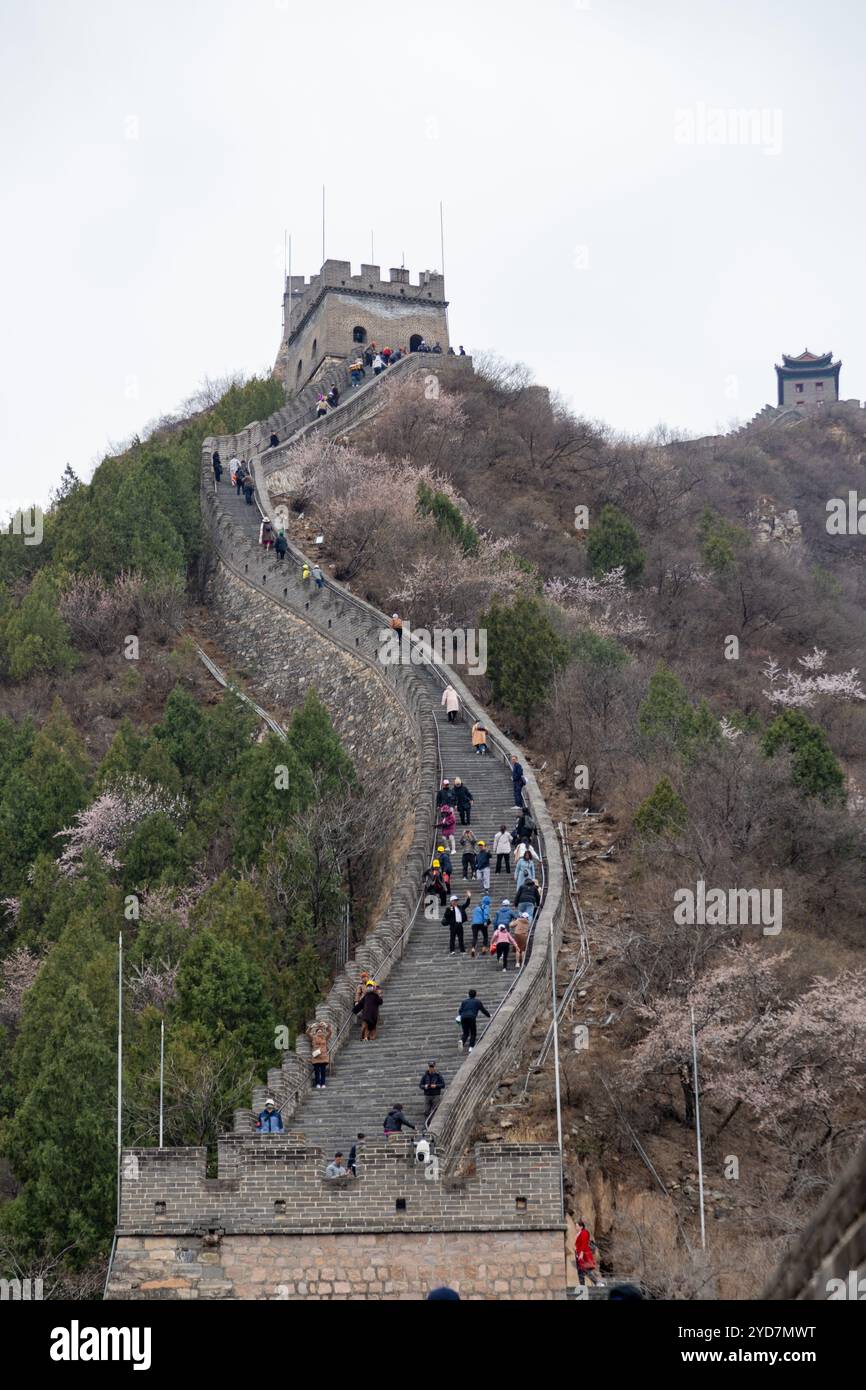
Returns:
(808, 379)
(338, 313)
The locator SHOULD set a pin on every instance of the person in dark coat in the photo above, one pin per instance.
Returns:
(281, 545)
(352, 1163)
(528, 897)
(467, 1014)
(464, 799)
(525, 827)
(453, 918)
(395, 1120)
(333, 398)
(369, 1008)
(249, 489)
(217, 467)
(432, 1084)
(518, 781)
(445, 795)
(274, 441)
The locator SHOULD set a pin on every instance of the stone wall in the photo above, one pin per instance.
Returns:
(325, 313)
(480, 1265)
(272, 1227)
(287, 657)
(275, 1183)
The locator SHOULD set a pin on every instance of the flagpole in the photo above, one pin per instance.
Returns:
(119, 1064)
(289, 325)
(161, 1074)
(698, 1132)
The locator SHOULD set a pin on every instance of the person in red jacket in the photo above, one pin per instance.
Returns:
(583, 1256)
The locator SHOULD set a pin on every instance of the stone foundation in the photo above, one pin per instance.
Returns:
(479, 1265)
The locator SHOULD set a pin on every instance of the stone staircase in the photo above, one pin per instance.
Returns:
(426, 986)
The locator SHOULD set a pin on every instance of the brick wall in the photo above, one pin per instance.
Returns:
(272, 1183)
(336, 302)
(487, 1265)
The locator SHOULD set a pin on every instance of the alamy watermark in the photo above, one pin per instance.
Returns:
(26, 522)
(846, 516)
(852, 1289)
(729, 907)
(700, 124)
(462, 646)
(16, 1290)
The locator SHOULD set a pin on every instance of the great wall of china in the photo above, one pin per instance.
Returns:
(489, 1220)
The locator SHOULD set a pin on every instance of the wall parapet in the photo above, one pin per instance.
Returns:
(276, 1183)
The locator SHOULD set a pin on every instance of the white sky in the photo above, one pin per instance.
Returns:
(153, 154)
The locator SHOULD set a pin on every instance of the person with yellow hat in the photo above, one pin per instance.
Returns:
(369, 1008)
(436, 882)
(482, 865)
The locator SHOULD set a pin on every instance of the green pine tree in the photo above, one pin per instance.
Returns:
(613, 542)
(662, 813)
(813, 765)
(524, 652)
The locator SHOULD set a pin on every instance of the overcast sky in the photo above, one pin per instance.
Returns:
(596, 227)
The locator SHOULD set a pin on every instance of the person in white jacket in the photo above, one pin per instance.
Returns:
(502, 850)
(451, 703)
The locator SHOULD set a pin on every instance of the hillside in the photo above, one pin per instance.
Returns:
(689, 685)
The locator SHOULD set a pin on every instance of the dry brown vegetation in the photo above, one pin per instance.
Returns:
(516, 464)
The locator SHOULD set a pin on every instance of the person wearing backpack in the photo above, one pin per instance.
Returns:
(281, 545)
(436, 882)
(480, 923)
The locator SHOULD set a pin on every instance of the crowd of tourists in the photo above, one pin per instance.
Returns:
(495, 933)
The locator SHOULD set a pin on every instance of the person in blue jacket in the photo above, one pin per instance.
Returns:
(480, 923)
(270, 1120)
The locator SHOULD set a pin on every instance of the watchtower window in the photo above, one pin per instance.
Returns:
(359, 335)
(415, 342)
(315, 345)
(300, 365)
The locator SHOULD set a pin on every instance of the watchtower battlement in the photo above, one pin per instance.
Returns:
(336, 313)
(276, 1184)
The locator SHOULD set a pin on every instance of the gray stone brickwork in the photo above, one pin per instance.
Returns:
(327, 310)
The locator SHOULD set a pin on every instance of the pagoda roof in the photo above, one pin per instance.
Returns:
(807, 358)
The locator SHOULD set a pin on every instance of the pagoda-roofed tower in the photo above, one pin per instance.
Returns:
(808, 379)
